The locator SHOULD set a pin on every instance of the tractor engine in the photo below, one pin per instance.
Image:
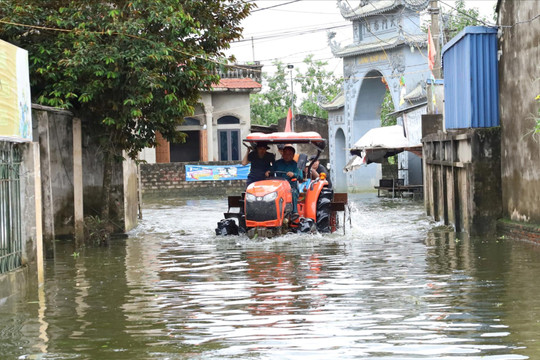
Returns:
(268, 202)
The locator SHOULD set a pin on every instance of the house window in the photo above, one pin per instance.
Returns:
(190, 121)
(229, 145)
(188, 150)
(228, 120)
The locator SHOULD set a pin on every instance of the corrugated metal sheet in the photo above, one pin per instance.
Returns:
(471, 79)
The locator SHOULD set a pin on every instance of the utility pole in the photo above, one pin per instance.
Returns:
(290, 67)
(434, 11)
(253, 49)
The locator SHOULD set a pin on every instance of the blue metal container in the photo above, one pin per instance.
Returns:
(471, 79)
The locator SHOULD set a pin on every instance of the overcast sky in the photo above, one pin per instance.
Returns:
(289, 30)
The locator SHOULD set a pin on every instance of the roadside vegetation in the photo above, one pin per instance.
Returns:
(312, 87)
(127, 69)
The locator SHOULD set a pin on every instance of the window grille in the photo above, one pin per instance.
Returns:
(10, 207)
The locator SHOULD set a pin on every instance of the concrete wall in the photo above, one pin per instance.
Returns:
(309, 123)
(30, 178)
(519, 74)
(130, 182)
(170, 180)
(59, 126)
(462, 179)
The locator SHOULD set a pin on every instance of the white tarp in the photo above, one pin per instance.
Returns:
(377, 144)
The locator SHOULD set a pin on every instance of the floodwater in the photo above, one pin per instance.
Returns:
(395, 286)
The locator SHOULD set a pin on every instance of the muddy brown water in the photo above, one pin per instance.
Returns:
(396, 286)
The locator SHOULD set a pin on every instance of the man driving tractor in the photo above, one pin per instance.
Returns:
(287, 166)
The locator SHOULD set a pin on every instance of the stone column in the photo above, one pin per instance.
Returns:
(210, 132)
(163, 149)
(78, 182)
(46, 184)
(39, 220)
(203, 145)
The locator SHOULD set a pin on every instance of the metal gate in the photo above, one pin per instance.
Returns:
(10, 207)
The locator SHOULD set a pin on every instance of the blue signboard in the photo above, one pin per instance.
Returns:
(216, 172)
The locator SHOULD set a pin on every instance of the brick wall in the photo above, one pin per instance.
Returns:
(170, 179)
(519, 231)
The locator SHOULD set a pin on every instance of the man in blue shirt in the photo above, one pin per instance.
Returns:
(261, 162)
(288, 168)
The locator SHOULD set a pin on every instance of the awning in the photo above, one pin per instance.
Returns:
(378, 144)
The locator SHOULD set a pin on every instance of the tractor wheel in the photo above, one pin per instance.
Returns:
(324, 210)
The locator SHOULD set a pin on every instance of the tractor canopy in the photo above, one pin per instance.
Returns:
(307, 137)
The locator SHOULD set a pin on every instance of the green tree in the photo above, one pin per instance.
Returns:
(387, 107)
(461, 18)
(268, 107)
(128, 69)
(316, 85)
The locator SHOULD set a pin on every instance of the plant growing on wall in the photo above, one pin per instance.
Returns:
(128, 69)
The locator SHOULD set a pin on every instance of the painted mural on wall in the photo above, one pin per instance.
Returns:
(216, 172)
(388, 53)
(15, 102)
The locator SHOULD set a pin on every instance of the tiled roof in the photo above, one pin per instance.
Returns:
(237, 84)
(337, 103)
(371, 7)
(365, 48)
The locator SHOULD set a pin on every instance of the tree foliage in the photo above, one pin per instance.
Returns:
(130, 68)
(387, 107)
(461, 18)
(271, 105)
(316, 85)
(127, 68)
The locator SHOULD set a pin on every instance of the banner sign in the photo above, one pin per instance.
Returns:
(216, 172)
(15, 102)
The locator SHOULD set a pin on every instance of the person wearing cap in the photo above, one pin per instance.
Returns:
(261, 162)
(287, 167)
(316, 169)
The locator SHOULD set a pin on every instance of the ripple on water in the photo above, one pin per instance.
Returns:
(387, 289)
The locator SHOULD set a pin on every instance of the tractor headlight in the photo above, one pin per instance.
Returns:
(250, 197)
(270, 197)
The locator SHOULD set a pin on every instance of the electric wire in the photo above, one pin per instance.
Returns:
(274, 6)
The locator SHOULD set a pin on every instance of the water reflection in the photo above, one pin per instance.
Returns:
(394, 287)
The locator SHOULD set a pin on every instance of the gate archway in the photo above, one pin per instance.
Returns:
(367, 115)
(387, 42)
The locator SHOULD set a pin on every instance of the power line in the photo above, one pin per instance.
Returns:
(469, 16)
(275, 6)
(290, 33)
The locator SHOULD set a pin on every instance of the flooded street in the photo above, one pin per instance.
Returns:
(396, 286)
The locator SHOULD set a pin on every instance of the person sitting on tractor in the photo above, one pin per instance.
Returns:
(316, 169)
(287, 166)
(261, 162)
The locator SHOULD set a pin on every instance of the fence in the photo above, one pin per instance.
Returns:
(10, 207)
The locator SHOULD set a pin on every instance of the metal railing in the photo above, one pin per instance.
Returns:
(10, 207)
(237, 71)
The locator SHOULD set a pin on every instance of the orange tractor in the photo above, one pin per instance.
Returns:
(266, 207)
